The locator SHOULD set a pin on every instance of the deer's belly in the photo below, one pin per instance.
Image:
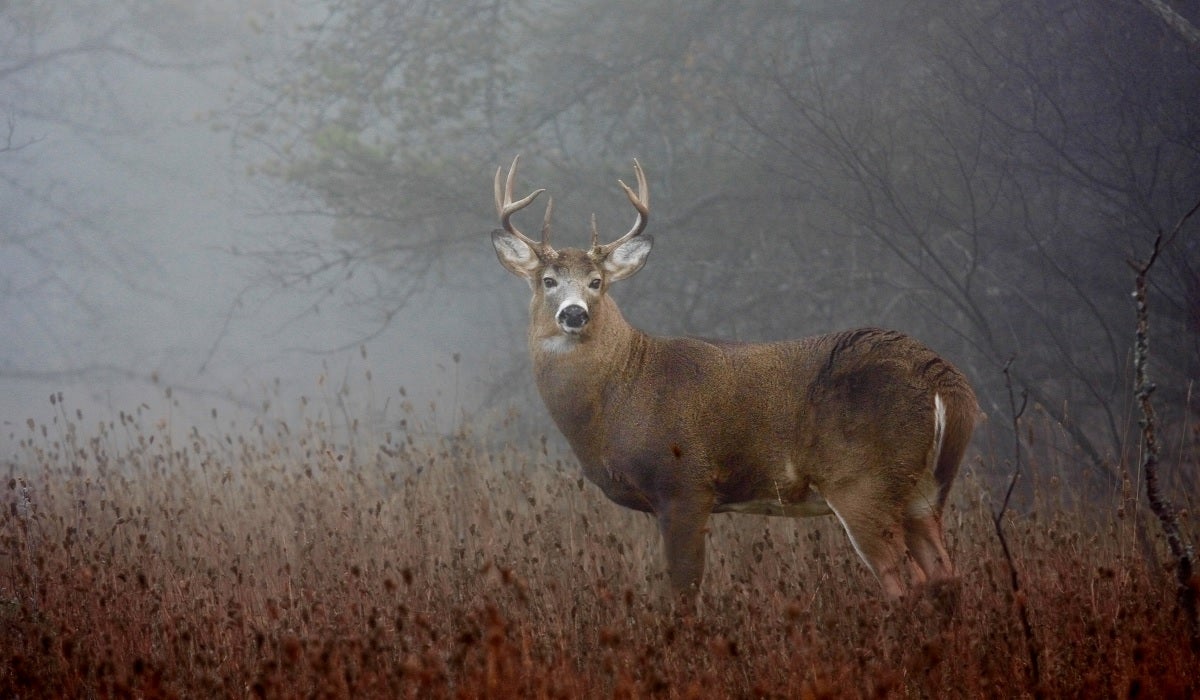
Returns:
(796, 509)
(618, 487)
(768, 486)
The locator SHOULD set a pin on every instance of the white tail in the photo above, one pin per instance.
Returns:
(867, 424)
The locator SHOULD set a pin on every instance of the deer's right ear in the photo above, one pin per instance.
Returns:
(515, 254)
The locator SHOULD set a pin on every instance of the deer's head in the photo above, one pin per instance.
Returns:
(568, 285)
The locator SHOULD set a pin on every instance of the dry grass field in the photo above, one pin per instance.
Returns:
(273, 560)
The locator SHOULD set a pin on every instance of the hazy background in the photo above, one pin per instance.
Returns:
(238, 200)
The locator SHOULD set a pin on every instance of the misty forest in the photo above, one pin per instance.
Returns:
(269, 424)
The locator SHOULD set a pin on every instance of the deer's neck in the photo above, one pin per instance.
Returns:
(578, 378)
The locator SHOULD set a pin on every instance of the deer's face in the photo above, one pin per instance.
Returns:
(568, 290)
(568, 285)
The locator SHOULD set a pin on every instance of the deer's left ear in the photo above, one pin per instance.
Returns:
(628, 258)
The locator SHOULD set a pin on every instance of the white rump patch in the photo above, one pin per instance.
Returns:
(939, 429)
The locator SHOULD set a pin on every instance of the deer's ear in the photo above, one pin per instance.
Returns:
(515, 254)
(628, 258)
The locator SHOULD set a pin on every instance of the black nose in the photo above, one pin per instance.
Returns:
(573, 316)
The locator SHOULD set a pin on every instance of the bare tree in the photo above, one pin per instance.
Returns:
(61, 67)
(1181, 548)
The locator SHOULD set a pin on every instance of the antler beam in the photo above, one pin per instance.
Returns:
(506, 207)
(640, 202)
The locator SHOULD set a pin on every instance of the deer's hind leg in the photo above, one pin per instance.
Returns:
(923, 533)
(875, 524)
(926, 543)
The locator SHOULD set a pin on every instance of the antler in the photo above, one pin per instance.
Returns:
(640, 201)
(506, 207)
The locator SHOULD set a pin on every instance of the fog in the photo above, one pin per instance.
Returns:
(227, 206)
(126, 214)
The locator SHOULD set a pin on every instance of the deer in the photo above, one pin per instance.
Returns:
(868, 425)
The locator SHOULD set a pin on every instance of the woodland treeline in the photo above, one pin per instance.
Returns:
(975, 173)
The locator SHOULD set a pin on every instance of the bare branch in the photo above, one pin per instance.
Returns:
(1185, 29)
(1014, 579)
(1180, 548)
(11, 130)
(97, 46)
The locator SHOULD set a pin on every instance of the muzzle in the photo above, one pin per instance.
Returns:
(572, 317)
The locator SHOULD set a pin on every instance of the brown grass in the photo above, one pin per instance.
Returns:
(266, 561)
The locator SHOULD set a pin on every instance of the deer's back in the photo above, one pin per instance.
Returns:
(834, 406)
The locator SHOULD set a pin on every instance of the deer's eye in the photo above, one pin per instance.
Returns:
(549, 282)
(594, 284)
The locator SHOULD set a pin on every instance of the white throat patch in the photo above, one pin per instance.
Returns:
(560, 343)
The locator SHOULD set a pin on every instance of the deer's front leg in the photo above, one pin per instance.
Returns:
(683, 522)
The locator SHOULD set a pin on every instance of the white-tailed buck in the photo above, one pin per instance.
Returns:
(869, 425)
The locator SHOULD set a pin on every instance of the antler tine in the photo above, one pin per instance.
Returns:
(546, 223)
(640, 202)
(506, 207)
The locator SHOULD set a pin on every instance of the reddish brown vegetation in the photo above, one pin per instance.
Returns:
(269, 563)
